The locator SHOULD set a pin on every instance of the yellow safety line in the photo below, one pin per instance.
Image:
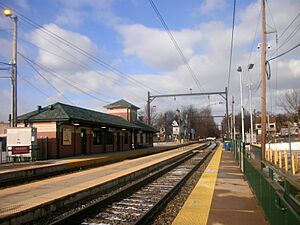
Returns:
(196, 209)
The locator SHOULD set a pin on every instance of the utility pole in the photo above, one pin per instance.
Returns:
(250, 109)
(233, 120)
(263, 81)
(148, 109)
(9, 13)
(242, 108)
(14, 72)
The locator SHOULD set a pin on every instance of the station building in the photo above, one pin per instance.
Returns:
(65, 130)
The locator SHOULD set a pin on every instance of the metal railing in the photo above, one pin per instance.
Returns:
(277, 192)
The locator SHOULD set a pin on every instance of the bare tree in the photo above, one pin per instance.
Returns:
(153, 115)
(291, 104)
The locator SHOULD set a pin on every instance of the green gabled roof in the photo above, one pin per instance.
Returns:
(121, 104)
(145, 126)
(53, 112)
(63, 112)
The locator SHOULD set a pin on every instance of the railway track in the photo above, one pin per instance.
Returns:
(138, 203)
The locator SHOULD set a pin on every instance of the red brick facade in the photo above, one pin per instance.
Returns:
(66, 140)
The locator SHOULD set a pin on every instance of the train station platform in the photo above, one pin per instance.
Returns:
(222, 196)
(31, 201)
(12, 173)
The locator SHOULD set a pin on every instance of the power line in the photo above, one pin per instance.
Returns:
(90, 56)
(67, 81)
(282, 54)
(39, 90)
(29, 63)
(4, 63)
(254, 39)
(81, 64)
(271, 16)
(231, 44)
(290, 24)
(184, 59)
(83, 52)
(72, 83)
(290, 36)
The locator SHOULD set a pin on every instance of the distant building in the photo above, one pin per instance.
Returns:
(270, 126)
(3, 127)
(123, 109)
(65, 130)
(294, 131)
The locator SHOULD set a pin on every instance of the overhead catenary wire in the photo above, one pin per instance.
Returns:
(44, 78)
(290, 24)
(254, 44)
(93, 58)
(72, 83)
(67, 81)
(36, 88)
(271, 15)
(290, 36)
(83, 52)
(184, 59)
(4, 63)
(231, 45)
(284, 53)
(81, 64)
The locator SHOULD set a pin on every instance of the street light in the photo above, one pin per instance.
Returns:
(9, 13)
(242, 109)
(250, 66)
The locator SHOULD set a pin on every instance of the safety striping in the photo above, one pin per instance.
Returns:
(196, 209)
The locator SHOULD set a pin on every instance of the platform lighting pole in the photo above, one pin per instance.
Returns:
(148, 109)
(233, 120)
(250, 66)
(9, 13)
(242, 108)
(227, 115)
(263, 81)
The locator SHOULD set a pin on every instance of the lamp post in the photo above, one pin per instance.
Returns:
(179, 124)
(250, 66)
(242, 108)
(9, 13)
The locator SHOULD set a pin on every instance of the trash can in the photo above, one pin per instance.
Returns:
(227, 145)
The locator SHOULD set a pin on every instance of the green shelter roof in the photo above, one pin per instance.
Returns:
(121, 104)
(63, 112)
(145, 126)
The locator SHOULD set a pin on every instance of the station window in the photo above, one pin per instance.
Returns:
(109, 138)
(97, 137)
(126, 138)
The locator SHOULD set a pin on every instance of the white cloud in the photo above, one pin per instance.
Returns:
(206, 47)
(76, 12)
(62, 51)
(211, 5)
(154, 47)
(5, 97)
(5, 52)
(22, 3)
(70, 17)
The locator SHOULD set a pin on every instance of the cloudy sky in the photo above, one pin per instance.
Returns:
(90, 53)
